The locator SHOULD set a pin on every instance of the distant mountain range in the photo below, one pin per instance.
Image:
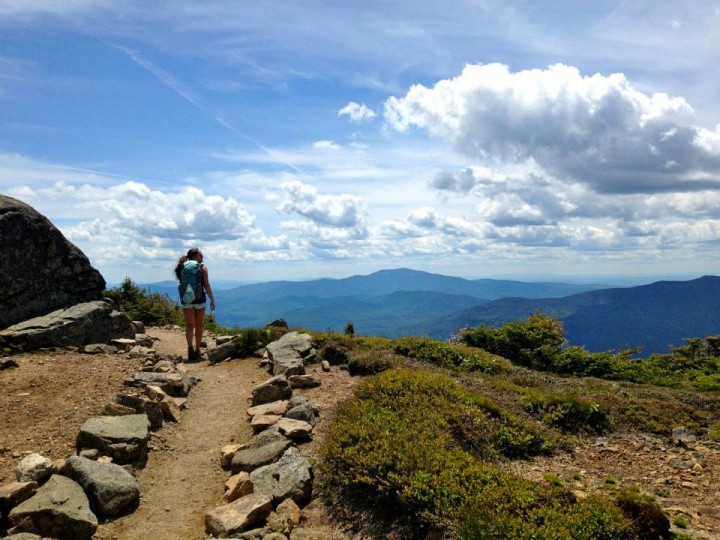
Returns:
(400, 302)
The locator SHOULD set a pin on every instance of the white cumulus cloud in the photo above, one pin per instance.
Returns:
(598, 130)
(357, 112)
(342, 210)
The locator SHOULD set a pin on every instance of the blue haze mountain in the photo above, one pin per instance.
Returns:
(386, 303)
(653, 316)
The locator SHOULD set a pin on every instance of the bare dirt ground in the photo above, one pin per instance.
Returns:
(44, 402)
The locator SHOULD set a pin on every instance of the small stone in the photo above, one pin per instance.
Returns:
(263, 421)
(227, 453)
(237, 486)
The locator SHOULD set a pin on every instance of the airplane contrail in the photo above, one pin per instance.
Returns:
(175, 84)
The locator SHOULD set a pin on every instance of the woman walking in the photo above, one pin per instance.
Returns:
(194, 288)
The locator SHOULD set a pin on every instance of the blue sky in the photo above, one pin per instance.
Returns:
(293, 140)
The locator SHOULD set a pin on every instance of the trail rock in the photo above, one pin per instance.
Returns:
(81, 324)
(298, 400)
(237, 516)
(155, 392)
(232, 348)
(275, 389)
(100, 348)
(237, 486)
(170, 409)
(124, 438)
(14, 493)
(142, 404)
(111, 490)
(303, 381)
(227, 453)
(59, 510)
(22, 536)
(89, 453)
(290, 478)
(268, 436)
(288, 354)
(276, 407)
(304, 412)
(286, 516)
(42, 270)
(297, 430)
(174, 384)
(34, 468)
(123, 344)
(263, 421)
(254, 534)
(7, 363)
(115, 409)
(144, 340)
(138, 327)
(251, 458)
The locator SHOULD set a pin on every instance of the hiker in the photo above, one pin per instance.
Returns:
(194, 284)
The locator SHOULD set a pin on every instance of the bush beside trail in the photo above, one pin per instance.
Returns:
(413, 443)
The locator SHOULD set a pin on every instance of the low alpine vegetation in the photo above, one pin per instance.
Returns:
(414, 443)
(538, 342)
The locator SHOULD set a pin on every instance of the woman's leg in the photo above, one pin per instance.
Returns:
(189, 325)
(199, 315)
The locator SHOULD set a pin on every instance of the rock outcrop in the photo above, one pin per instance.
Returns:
(42, 270)
(80, 324)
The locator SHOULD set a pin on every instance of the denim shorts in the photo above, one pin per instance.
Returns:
(193, 306)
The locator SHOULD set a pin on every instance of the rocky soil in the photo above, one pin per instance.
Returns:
(46, 399)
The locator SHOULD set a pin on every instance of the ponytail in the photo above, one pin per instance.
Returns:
(179, 266)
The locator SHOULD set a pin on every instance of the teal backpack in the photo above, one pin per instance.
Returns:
(191, 288)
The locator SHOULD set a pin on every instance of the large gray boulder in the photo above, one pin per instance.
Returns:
(123, 438)
(59, 510)
(288, 354)
(42, 271)
(291, 477)
(80, 324)
(112, 490)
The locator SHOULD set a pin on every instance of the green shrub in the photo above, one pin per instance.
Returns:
(153, 309)
(645, 513)
(568, 412)
(534, 342)
(445, 355)
(415, 444)
(372, 362)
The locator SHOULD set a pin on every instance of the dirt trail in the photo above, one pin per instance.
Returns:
(183, 478)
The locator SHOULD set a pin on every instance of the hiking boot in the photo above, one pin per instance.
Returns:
(191, 354)
(198, 355)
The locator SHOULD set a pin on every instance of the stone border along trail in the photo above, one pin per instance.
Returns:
(182, 479)
(182, 484)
